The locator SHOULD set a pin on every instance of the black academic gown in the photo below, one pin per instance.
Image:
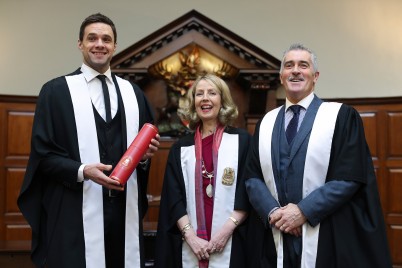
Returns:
(50, 197)
(353, 235)
(173, 206)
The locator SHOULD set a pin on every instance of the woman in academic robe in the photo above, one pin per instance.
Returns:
(203, 208)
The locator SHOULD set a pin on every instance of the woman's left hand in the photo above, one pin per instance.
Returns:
(218, 240)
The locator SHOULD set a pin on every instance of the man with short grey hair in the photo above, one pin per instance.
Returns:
(311, 181)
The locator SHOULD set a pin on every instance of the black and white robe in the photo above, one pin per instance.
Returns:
(66, 216)
(178, 199)
(351, 236)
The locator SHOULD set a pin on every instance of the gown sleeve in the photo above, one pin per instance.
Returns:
(172, 208)
(260, 197)
(241, 199)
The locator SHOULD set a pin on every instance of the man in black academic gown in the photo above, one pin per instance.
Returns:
(79, 216)
(311, 181)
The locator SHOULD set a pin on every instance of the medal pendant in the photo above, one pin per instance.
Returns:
(209, 190)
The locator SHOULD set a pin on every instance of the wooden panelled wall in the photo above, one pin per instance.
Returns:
(382, 119)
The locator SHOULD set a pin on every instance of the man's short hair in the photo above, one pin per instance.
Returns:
(98, 17)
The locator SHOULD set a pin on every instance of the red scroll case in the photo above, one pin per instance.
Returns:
(134, 153)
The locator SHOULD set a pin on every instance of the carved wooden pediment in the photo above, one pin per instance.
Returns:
(190, 29)
(194, 44)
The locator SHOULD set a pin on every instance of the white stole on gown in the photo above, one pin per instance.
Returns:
(92, 206)
(224, 197)
(315, 171)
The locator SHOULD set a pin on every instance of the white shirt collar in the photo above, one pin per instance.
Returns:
(305, 103)
(90, 73)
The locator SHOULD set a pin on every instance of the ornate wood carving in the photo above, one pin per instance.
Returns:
(246, 67)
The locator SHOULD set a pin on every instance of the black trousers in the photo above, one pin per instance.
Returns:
(114, 213)
(292, 251)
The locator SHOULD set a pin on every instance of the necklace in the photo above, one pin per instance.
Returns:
(206, 133)
(208, 175)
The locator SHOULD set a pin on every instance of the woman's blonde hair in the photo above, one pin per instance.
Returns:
(228, 112)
